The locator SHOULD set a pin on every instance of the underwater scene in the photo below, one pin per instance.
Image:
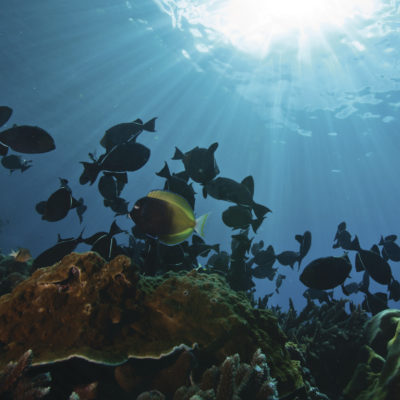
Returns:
(200, 200)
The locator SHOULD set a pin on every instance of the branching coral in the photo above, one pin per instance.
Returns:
(15, 385)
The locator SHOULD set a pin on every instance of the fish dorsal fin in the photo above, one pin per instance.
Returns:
(213, 147)
(249, 183)
(138, 121)
(175, 199)
(164, 173)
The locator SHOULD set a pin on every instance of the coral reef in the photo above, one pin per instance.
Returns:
(13, 270)
(107, 313)
(16, 385)
(377, 376)
(328, 340)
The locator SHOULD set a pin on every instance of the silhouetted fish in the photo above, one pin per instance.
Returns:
(177, 184)
(239, 217)
(5, 114)
(320, 295)
(56, 252)
(199, 163)
(376, 266)
(343, 239)
(326, 272)
(125, 132)
(288, 258)
(129, 156)
(390, 250)
(305, 244)
(27, 139)
(240, 193)
(13, 162)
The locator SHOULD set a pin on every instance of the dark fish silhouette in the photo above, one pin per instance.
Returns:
(177, 183)
(104, 243)
(305, 244)
(288, 258)
(265, 257)
(279, 281)
(378, 269)
(27, 139)
(5, 114)
(118, 205)
(326, 272)
(257, 247)
(350, 288)
(57, 206)
(320, 295)
(56, 252)
(125, 157)
(167, 216)
(343, 239)
(240, 193)
(13, 162)
(390, 250)
(125, 132)
(199, 163)
(375, 302)
(394, 290)
(220, 261)
(264, 271)
(111, 184)
(240, 217)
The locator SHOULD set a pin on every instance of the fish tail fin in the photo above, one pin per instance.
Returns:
(90, 172)
(25, 167)
(164, 173)
(255, 223)
(199, 228)
(150, 126)
(355, 244)
(260, 210)
(178, 155)
(3, 149)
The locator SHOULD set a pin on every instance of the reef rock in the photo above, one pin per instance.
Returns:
(108, 313)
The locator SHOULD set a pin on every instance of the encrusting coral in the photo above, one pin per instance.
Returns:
(107, 313)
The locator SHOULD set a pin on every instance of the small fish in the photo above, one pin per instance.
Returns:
(326, 272)
(391, 250)
(125, 132)
(279, 281)
(56, 252)
(343, 239)
(57, 206)
(288, 258)
(265, 257)
(240, 217)
(5, 114)
(350, 288)
(167, 216)
(118, 205)
(376, 266)
(264, 271)
(305, 245)
(13, 162)
(21, 255)
(257, 247)
(104, 243)
(394, 290)
(176, 183)
(240, 193)
(375, 302)
(320, 295)
(125, 157)
(200, 248)
(27, 139)
(220, 261)
(199, 163)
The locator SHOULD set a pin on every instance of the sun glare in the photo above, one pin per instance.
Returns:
(253, 25)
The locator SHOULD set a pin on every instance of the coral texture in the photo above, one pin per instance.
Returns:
(107, 313)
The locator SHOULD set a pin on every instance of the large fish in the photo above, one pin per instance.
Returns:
(27, 139)
(125, 132)
(167, 216)
(326, 272)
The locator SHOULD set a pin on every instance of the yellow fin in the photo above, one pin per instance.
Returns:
(199, 228)
(175, 199)
(176, 238)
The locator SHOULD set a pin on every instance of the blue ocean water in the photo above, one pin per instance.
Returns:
(313, 116)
